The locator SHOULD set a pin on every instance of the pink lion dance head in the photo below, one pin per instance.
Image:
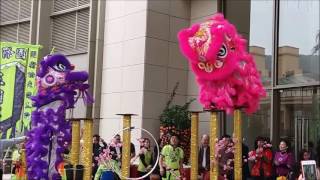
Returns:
(225, 71)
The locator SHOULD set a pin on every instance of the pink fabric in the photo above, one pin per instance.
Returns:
(226, 73)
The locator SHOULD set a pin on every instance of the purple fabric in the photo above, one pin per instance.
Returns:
(284, 163)
(49, 122)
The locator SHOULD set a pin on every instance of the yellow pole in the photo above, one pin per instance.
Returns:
(126, 156)
(214, 171)
(194, 144)
(23, 164)
(238, 145)
(87, 148)
(75, 143)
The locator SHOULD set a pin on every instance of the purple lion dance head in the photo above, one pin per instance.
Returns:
(59, 87)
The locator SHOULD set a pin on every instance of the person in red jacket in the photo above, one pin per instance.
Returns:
(261, 159)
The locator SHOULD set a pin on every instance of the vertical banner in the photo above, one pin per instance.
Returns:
(17, 83)
(30, 85)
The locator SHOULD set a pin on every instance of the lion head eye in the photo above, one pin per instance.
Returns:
(59, 67)
(223, 51)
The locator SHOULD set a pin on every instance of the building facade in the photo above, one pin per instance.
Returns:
(131, 51)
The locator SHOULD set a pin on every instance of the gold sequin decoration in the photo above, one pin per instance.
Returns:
(214, 171)
(238, 145)
(75, 143)
(194, 144)
(125, 163)
(87, 148)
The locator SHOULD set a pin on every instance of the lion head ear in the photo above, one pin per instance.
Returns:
(42, 67)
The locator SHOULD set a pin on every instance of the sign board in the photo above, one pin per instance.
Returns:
(18, 66)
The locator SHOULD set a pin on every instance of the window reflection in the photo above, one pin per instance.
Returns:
(256, 124)
(260, 44)
(299, 116)
(298, 54)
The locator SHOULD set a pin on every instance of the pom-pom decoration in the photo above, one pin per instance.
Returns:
(226, 73)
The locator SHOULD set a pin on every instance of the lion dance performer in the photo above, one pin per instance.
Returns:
(50, 133)
(225, 71)
(226, 74)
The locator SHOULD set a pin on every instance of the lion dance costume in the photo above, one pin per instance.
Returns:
(50, 133)
(225, 71)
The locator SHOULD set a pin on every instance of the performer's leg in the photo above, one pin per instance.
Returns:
(54, 157)
(94, 170)
(59, 146)
(69, 171)
(1, 173)
(79, 172)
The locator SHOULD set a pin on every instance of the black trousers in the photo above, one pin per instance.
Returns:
(261, 178)
(1, 173)
(142, 174)
(94, 170)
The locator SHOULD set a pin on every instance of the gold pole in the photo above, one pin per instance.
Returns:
(194, 144)
(214, 171)
(87, 148)
(23, 164)
(238, 145)
(126, 156)
(75, 143)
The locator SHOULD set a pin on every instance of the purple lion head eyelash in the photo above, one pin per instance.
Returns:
(50, 130)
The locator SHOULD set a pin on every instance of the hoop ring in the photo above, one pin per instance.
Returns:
(154, 166)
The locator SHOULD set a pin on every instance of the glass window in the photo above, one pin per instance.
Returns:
(300, 116)
(257, 124)
(70, 32)
(260, 44)
(298, 51)
(16, 17)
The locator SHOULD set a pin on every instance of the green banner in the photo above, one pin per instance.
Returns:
(18, 64)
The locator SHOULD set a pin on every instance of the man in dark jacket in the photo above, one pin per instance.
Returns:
(204, 157)
(98, 146)
(116, 150)
(245, 165)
